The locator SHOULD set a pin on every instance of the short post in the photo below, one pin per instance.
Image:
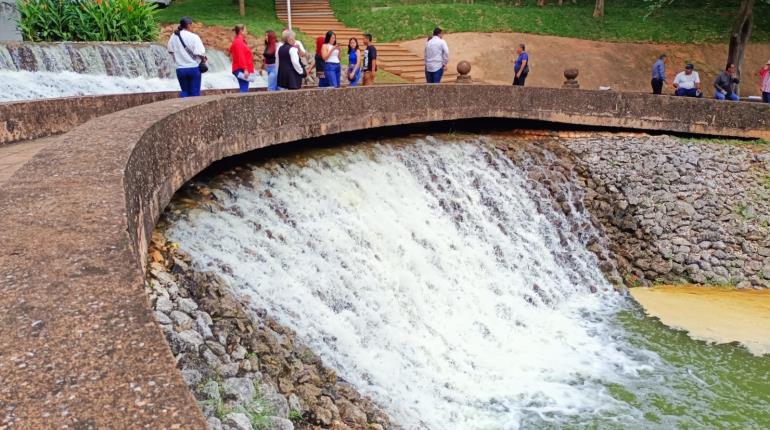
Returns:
(463, 72)
(571, 75)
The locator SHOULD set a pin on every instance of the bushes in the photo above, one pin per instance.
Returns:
(88, 20)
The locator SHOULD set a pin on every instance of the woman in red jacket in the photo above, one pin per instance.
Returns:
(243, 59)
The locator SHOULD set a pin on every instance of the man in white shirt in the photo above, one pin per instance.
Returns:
(297, 44)
(188, 52)
(290, 70)
(687, 83)
(436, 57)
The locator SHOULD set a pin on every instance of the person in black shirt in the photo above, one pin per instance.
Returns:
(370, 60)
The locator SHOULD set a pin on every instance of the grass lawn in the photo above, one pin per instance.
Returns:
(687, 21)
(260, 14)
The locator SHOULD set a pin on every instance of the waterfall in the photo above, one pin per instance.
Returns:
(32, 71)
(424, 274)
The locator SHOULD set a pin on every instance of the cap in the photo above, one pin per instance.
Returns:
(185, 21)
(689, 67)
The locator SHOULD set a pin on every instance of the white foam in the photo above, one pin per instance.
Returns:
(23, 85)
(426, 277)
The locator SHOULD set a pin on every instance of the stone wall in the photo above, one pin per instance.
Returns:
(32, 119)
(671, 210)
(78, 337)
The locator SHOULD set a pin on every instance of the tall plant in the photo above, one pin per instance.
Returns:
(88, 20)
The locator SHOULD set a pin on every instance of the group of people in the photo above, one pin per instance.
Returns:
(362, 61)
(687, 83)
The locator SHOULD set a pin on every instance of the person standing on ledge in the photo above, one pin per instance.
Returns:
(188, 52)
(370, 60)
(268, 64)
(290, 70)
(725, 84)
(330, 52)
(521, 66)
(659, 74)
(242, 58)
(687, 83)
(436, 57)
(764, 82)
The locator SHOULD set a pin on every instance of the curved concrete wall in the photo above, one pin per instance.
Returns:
(78, 342)
(32, 119)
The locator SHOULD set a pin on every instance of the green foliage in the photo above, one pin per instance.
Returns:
(88, 20)
(296, 416)
(691, 21)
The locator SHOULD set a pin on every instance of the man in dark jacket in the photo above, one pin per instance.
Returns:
(290, 69)
(725, 83)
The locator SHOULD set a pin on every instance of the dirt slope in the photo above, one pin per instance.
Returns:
(621, 66)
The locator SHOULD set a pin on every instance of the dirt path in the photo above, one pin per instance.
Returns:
(621, 66)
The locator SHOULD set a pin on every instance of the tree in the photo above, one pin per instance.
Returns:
(740, 34)
(242, 7)
(599, 8)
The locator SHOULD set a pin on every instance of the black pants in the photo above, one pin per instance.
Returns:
(657, 86)
(766, 97)
(520, 80)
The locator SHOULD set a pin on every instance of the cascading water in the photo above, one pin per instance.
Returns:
(33, 71)
(424, 274)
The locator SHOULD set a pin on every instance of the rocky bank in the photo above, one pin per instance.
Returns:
(246, 370)
(669, 210)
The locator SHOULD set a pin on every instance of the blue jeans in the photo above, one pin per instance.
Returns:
(356, 78)
(272, 77)
(766, 97)
(688, 92)
(730, 96)
(434, 77)
(243, 85)
(189, 81)
(332, 74)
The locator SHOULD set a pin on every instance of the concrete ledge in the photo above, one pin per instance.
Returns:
(78, 343)
(32, 119)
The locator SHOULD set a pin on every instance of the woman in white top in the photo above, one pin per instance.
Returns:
(188, 52)
(331, 56)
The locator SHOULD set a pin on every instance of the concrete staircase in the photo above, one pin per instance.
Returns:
(315, 18)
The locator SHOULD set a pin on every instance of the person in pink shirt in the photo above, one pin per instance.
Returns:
(764, 82)
(242, 58)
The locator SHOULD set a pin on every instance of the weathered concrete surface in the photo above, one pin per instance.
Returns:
(9, 19)
(13, 156)
(31, 119)
(78, 344)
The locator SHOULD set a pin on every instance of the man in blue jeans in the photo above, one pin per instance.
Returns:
(188, 52)
(521, 66)
(436, 57)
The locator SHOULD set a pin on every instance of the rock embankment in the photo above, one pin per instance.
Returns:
(246, 370)
(671, 210)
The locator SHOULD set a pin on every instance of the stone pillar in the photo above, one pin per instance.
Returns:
(463, 72)
(571, 75)
(9, 19)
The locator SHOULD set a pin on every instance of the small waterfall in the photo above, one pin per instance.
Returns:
(425, 275)
(44, 70)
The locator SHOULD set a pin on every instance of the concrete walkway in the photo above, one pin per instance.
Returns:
(316, 17)
(13, 156)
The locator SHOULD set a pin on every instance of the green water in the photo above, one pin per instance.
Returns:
(690, 384)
